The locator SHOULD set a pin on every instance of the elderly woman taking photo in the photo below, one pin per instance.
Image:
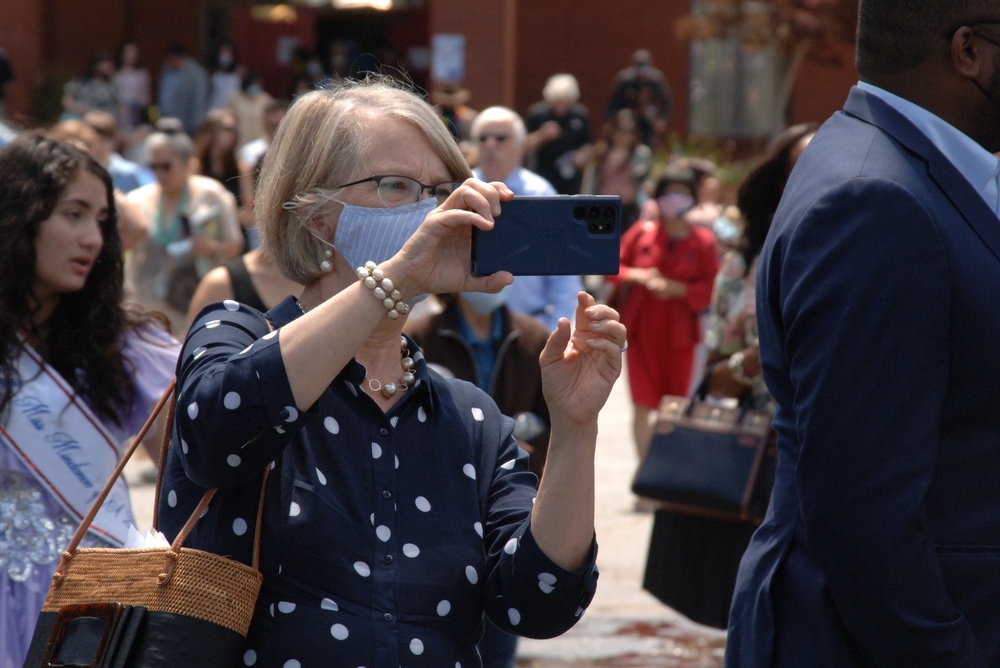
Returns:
(398, 509)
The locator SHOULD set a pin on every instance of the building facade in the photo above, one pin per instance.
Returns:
(510, 48)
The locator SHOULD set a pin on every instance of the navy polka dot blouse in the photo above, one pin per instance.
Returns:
(386, 536)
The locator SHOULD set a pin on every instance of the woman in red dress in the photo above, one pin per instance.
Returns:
(665, 276)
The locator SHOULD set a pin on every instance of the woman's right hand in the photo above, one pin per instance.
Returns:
(438, 257)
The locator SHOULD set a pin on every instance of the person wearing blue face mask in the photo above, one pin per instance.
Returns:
(398, 510)
(668, 267)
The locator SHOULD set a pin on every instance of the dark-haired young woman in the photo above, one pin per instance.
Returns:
(78, 371)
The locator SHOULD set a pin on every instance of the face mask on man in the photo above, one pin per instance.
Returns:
(486, 302)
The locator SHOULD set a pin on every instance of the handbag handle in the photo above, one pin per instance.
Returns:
(174, 551)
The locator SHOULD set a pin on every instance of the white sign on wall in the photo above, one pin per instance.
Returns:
(448, 57)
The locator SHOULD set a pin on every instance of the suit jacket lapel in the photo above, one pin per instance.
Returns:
(953, 185)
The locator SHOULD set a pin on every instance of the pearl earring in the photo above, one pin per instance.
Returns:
(326, 266)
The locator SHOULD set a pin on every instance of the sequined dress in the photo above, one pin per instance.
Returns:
(34, 528)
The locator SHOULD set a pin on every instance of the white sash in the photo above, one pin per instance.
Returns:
(65, 447)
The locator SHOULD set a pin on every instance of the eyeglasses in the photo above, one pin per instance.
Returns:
(402, 190)
(499, 137)
(161, 166)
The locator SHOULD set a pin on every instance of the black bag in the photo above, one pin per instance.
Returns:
(709, 460)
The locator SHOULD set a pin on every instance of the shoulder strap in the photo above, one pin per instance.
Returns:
(243, 290)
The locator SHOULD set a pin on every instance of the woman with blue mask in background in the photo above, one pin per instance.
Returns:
(398, 509)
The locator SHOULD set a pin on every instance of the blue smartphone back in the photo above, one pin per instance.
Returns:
(550, 236)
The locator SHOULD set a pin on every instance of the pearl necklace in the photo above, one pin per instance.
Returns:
(406, 380)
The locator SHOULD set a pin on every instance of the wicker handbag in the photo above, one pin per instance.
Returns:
(149, 607)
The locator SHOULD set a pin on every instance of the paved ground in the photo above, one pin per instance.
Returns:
(625, 627)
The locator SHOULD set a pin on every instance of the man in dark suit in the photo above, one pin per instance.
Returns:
(879, 312)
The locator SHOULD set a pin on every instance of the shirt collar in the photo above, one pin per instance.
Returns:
(979, 167)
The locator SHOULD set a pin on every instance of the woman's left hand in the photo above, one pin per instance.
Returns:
(580, 364)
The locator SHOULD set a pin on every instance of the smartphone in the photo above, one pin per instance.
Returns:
(560, 235)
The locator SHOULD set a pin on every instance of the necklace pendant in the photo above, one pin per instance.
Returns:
(389, 389)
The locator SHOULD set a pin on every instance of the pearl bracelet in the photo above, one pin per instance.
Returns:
(383, 289)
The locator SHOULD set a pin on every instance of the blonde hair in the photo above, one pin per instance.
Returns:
(321, 144)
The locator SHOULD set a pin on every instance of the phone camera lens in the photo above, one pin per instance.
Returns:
(579, 213)
(609, 212)
(595, 212)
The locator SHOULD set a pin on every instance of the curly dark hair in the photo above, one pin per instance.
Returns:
(82, 340)
(760, 192)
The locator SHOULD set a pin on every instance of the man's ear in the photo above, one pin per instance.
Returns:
(966, 53)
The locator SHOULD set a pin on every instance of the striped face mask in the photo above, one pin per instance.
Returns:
(377, 233)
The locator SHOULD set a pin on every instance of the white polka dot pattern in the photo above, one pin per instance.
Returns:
(426, 481)
(231, 400)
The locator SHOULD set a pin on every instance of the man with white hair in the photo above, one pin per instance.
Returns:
(501, 134)
(558, 142)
